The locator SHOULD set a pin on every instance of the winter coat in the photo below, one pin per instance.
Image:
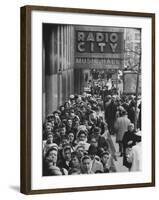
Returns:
(121, 126)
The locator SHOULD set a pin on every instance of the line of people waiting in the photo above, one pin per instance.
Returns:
(76, 139)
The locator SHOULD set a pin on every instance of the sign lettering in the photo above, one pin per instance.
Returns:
(98, 42)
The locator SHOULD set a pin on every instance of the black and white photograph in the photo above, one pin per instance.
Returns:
(92, 99)
(87, 100)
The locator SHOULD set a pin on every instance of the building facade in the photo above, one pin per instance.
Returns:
(70, 53)
(58, 65)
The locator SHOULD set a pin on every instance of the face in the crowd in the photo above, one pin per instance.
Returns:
(72, 101)
(78, 100)
(94, 119)
(71, 137)
(50, 139)
(76, 123)
(86, 164)
(48, 129)
(105, 158)
(131, 127)
(92, 156)
(52, 157)
(80, 152)
(96, 135)
(48, 124)
(66, 114)
(85, 122)
(64, 141)
(75, 162)
(53, 123)
(69, 123)
(62, 131)
(82, 137)
(67, 105)
(94, 142)
(62, 108)
(67, 154)
(72, 114)
(50, 118)
(56, 115)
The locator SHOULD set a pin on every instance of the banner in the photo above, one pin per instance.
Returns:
(130, 81)
(99, 47)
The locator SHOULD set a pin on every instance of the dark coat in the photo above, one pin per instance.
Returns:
(128, 136)
(62, 164)
(110, 113)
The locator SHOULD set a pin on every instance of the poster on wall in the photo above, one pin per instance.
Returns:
(130, 83)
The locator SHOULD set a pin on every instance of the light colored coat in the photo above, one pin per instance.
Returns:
(121, 126)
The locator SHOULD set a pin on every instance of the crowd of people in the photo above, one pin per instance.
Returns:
(77, 136)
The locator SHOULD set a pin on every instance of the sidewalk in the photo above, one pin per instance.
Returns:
(119, 163)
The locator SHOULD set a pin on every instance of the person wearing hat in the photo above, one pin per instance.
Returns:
(48, 129)
(125, 103)
(82, 139)
(80, 150)
(65, 158)
(72, 100)
(131, 111)
(93, 117)
(62, 110)
(95, 165)
(121, 126)
(72, 142)
(57, 120)
(47, 144)
(102, 124)
(56, 113)
(110, 114)
(107, 101)
(67, 105)
(128, 136)
(50, 159)
(64, 140)
(50, 117)
(69, 126)
(73, 116)
(101, 141)
(133, 154)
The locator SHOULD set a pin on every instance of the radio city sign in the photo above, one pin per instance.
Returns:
(99, 47)
(98, 42)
